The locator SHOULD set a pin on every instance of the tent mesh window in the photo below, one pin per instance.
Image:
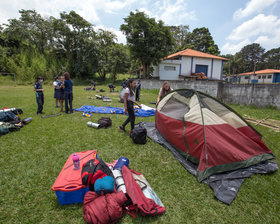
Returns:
(227, 115)
(214, 106)
(175, 109)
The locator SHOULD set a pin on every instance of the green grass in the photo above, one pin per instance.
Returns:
(32, 158)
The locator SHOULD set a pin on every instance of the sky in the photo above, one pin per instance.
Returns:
(233, 24)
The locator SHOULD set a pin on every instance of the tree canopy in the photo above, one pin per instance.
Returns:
(33, 45)
(148, 40)
(252, 57)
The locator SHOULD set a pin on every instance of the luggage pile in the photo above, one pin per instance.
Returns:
(114, 190)
(109, 190)
(10, 120)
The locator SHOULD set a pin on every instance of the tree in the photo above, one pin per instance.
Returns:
(118, 60)
(148, 40)
(251, 55)
(30, 30)
(75, 35)
(200, 39)
(233, 65)
(180, 35)
(105, 41)
(271, 59)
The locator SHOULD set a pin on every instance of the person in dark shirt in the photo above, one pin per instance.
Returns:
(93, 84)
(111, 87)
(124, 83)
(137, 92)
(39, 94)
(68, 93)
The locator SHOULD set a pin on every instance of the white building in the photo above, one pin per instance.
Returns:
(262, 76)
(187, 62)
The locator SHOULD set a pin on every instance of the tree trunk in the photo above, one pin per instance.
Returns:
(146, 70)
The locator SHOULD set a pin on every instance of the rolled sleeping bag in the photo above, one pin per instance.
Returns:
(105, 185)
(120, 184)
(26, 120)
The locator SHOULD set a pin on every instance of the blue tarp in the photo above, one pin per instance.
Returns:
(115, 110)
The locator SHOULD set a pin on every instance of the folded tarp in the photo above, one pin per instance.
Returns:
(115, 110)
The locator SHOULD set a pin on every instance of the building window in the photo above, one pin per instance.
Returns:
(259, 77)
(246, 77)
(169, 68)
(269, 76)
(264, 76)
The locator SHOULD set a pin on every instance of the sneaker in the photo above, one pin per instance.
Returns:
(130, 133)
(121, 128)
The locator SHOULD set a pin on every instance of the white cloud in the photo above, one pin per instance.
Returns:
(146, 11)
(260, 24)
(253, 6)
(174, 12)
(121, 38)
(230, 48)
(261, 29)
(170, 12)
(88, 9)
(269, 41)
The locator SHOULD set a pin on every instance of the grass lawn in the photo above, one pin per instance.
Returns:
(32, 158)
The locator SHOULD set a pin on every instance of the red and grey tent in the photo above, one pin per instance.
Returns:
(209, 133)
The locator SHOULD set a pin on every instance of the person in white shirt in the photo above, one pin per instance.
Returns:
(56, 87)
(129, 101)
(166, 88)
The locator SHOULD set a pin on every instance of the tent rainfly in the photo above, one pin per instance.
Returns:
(209, 133)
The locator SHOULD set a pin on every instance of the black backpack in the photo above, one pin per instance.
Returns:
(93, 170)
(105, 122)
(139, 135)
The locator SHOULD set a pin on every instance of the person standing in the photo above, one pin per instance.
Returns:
(166, 88)
(55, 85)
(68, 93)
(124, 83)
(129, 101)
(39, 94)
(93, 84)
(60, 93)
(137, 92)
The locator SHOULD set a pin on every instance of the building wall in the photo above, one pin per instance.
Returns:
(259, 95)
(166, 72)
(188, 65)
(262, 78)
(155, 71)
(217, 70)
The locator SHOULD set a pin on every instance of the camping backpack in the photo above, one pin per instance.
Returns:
(139, 135)
(92, 170)
(105, 122)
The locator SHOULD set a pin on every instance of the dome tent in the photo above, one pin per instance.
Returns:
(209, 133)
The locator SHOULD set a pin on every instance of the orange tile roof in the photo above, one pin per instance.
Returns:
(194, 53)
(265, 71)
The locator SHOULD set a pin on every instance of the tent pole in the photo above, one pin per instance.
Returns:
(204, 135)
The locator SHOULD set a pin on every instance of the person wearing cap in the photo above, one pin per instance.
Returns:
(39, 94)
(56, 87)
